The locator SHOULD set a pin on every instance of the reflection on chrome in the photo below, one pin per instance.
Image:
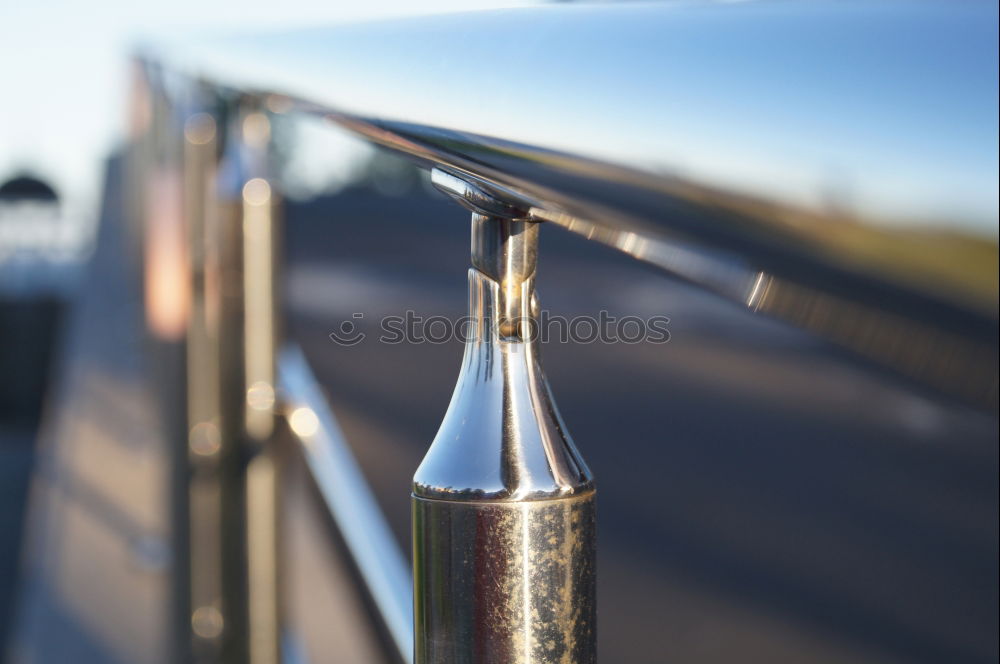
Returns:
(167, 298)
(207, 622)
(890, 211)
(853, 196)
(503, 504)
(712, 146)
(199, 129)
(349, 499)
(304, 422)
(260, 396)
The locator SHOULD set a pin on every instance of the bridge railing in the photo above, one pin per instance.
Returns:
(828, 164)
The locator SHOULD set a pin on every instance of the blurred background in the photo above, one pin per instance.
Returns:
(764, 497)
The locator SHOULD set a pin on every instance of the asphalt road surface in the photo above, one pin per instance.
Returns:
(762, 497)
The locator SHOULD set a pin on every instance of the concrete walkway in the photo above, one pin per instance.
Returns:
(96, 563)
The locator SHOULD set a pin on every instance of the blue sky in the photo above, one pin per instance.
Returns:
(63, 69)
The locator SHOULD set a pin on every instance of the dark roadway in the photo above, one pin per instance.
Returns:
(762, 497)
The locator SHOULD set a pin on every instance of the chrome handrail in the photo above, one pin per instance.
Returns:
(733, 145)
(828, 163)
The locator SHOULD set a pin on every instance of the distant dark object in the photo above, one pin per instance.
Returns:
(27, 188)
(28, 333)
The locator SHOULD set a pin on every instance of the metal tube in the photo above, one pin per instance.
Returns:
(503, 505)
(509, 583)
(686, 126)
(166, 280)
(349, 499)
(208, 450)
(219, 621)
(873, 228)
(230, 346)
(260, 333)
(245, 241)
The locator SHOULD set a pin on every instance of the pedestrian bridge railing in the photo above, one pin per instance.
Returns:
(832, 165)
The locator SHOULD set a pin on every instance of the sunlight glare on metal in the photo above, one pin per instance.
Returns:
(260, 396)
(256, 129)
(304, 422)
(199, 129)
(257, 192)
(205, 439)
(207, 622)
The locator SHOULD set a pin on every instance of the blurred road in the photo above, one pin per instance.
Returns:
(762, 497)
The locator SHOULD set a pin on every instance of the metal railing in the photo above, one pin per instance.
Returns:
(382, 566)
(829, 164)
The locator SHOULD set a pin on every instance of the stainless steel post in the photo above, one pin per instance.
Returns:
(503, 505)
(216, 627)
(167, 278)
(244, 236)
(260, 218)
(230, 342)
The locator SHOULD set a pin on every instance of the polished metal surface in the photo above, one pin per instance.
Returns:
(166, 276)
(503, 504)
(504, 245)
(505, 582)
(259, 230)
(478, 196)
(505, 250)
(209, 229)
(349, 498)
(829, 163)
(502, 437)
(221, 622)
(728, 143)
(215, 486)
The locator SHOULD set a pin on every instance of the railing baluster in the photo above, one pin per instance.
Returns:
(503, 505)
(217, 556)
(167, 284)
(260, 335)
(227, 479)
